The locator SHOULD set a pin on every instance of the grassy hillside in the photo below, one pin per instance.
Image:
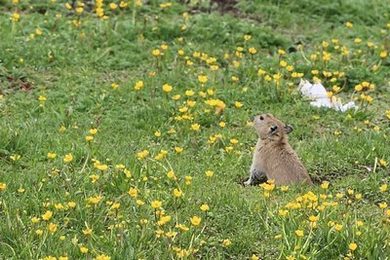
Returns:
(125, 129)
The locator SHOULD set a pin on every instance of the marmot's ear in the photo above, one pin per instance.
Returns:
(288, 129)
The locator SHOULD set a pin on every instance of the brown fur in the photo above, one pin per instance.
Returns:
(273, 156)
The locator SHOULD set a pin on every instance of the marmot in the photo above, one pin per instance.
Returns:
(274, 158)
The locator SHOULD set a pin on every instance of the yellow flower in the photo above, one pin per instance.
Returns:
(102, 167)
(261, 72)
(113, 6)
(291, 68)
(204, 207)
(89, 138)
(156, 53)
(195, 127)
(3, 186)
(238, 104)
(15, 157)
(84, 249)
(326, 56)
(51, 155)
(156, 204)
(338, 227)
(189, 93)
(283, 212)
(102, 257)
(382, 205)
(68, 6)
(268, 186)
(114, 86)
(138, 3)
(313, 218)
(209, 173)
(87, 231)
(222, 124)
(383, 162)
(252, 50)
(139, 85)
(93, 131)
(178, 149)
(202, 79)
(143, 221)
(299, 233)
(226, 242)
(52, 227)
(352, 246)
(188, 180)
(133, 192)
(115, 206)
(139, 202)
(388, 114)
(180, 52)
(195, 220)
(94, 200)
(284, 188)
(15, 17)
(68, 158)
(163, 220)
(47, 216)
(71, 204)
(42, 98)
(283, 63)
(143, 154)
(171, 175)
(167, 88)
(177, 193)
(39, 232)
(182, 227)
(233, 141)
(281, 52)
(35, 220)
(359, 223)
(123, 4)
(348, 24)
(325, 185)
(79, 10)
(383, 54)
(247, 37)
(383, 188)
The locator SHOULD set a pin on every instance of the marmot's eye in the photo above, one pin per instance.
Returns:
(273, 128)
(261, 118)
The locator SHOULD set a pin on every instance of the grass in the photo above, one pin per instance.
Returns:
(64, 75)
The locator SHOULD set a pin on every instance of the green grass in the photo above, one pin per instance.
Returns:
(74, 68)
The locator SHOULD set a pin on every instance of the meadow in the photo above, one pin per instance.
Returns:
(125, 129)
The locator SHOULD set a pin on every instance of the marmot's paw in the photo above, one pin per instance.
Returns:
(247, 183)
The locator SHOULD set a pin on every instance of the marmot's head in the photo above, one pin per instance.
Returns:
(270, 128)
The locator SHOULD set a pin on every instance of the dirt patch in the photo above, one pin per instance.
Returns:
(10, 84)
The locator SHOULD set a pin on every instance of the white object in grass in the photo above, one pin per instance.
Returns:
(319, 97)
